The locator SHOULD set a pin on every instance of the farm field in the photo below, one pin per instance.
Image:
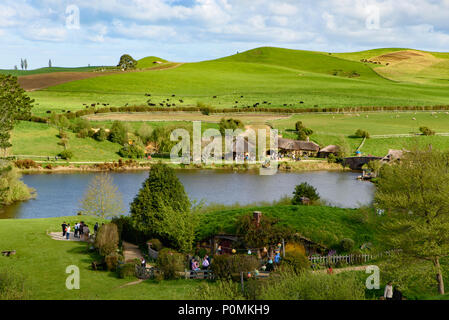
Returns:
(279, 77)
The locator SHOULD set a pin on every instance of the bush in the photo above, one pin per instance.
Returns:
(221, 290)
(127, 270)
(304, 190)
(205, 109)
(118, 133)
(25, 164)
(112, 260)
(361, 134)
(426, 131)
(66, 154)
(331, 158)
(296, 260)
(132, 152)
(228, 266)
(346, 244)
(107, 238)
(156, 244)
(83, 133)
(170, 263)
(100, 135)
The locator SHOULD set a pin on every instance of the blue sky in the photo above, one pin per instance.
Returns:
(194, 30)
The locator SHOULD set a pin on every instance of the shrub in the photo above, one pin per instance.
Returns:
(66, 154)
(331, 158)
(112, 260)
(426, 131)
(83, 133)
(346, 244)
(296, 260)
(361, 134)
(156, 244)
(132, 152)
(127, 270)
(230, 123)
(118, 133)
(221, 290)
(170, 263)
(304, 190)
(81, 124)
(228, 266)
(25, 164)
(106, 240)
(100, 135)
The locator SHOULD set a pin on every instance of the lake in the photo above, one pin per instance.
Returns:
(59, 194)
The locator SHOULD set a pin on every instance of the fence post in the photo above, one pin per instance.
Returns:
(241, 281)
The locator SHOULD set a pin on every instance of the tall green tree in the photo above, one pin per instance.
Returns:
(14, 105)
(118, 133)
(162, 209)
(414, 196)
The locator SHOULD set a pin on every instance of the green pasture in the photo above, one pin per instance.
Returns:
(19, 73)
(276, 76)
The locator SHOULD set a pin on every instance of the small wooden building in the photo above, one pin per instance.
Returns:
(289, 147)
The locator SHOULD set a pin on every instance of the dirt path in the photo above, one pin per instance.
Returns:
(58, 236)
(339, 270)
(131, 252)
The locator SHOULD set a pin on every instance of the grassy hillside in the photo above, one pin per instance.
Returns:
(322, 224)
(43, 262)
(148, 62)
(281, 77)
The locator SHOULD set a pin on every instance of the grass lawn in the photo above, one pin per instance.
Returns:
(43, 261)
(46, 70)
(322, 224)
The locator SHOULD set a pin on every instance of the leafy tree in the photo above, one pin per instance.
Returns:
(302, 131)
(230, 123)
(362, 134)
(118, 133)
(102, 198)
(12, 189)
(49, 63)
(414, 196)
(100, 135)
(14, 104)
(127, 62)
(107, 239)
(131, 151)
(304, 190)
(427, 131)
(163, 210)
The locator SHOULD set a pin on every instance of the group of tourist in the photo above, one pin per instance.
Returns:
(81, 230)
(392, 293)
(205, 264)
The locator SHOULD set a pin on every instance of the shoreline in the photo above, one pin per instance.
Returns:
(284, 166)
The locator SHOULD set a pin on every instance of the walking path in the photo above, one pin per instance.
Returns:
(58, 236)
(339, 270)
(131, 252)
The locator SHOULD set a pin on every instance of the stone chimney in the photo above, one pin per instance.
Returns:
(256, 216)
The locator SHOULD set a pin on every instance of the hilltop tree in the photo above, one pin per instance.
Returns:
(49, 63)
(118, 133)
(25, 64)
(21, 64)
(102, 198)
(304, 190)
(127, 62)
(14, 103)
(232, 124)
(162, 209)
(302, 131)
(413, 194)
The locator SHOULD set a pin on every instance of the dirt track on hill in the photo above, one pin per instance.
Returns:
(45, 80)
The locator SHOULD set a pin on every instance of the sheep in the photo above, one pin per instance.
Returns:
(413, 118)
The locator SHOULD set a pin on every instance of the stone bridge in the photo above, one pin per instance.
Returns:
(356, 163)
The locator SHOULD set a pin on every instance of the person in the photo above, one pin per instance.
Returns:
(143, 263)
(330, 270)
(96, 227)
(205, 262)
(64, 226)
(195, 266)
(277, 258)
(397, 295)
(270, 266)
(77, 229)
(86, 232)
(81, 229)
(67, 231)
(388, 293)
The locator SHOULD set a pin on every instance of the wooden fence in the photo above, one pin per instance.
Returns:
(349, 259)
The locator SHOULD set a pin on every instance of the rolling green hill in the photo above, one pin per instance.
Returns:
(19, 73)
(148, 62)
(281, 77)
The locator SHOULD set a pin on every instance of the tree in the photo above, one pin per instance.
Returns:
(304, 190)
(426, 131)
(102, 198)
(25, 64)
(414, 197)
(127, 62)
(232, 124)
(12, 188)
(49, 63)
(361, 134)
(21, 64)
(302, 131)
(162, 209)
(14, 103)
(118, 133)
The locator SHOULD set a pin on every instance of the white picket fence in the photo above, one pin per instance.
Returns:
(349, 259)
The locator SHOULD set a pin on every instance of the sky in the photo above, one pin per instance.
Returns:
(98, 32)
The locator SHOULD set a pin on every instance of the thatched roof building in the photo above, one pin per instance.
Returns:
(394, 155)
(324, 152)
(297, 145)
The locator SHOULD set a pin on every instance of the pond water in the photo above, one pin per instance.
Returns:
(59, 194)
